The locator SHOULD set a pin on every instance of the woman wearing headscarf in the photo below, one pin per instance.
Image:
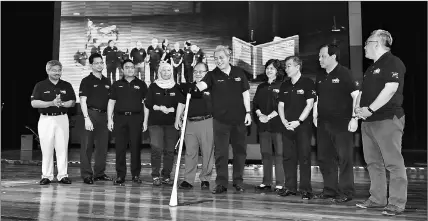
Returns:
(163, 99)
(265, 105)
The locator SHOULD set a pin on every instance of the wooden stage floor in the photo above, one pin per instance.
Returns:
(23, 199)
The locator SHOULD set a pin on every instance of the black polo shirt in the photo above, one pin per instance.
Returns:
(163, 97)
(387, 69)
(155, 55)
(199, 105)
(266, 100)
(177, 55)
(167, 52)
(226, 93)
(295, 96)
(96, 90)
(111, 54)
(199, 56)
(47, 91)
(138, 55)
(188, 57)
(334, 94)
(129, 96)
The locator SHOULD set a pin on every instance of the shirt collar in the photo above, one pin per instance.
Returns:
(384, 57)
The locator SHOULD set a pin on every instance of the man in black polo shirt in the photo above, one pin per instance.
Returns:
(53, 97)
(155, 52)
(382, 130)
(177, 62)
(199, 133)
(334, 117)
(111, 60)
(94, 91)
(138, 55)
(231, 112)
(188, 61)
(126, 101)
(295, 106)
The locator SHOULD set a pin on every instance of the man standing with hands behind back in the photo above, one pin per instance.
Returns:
(94, 92)
(335, 119)
(382, 129)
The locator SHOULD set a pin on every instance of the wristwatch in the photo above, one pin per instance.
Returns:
(300, 122)
(371, 110)
(248, 112)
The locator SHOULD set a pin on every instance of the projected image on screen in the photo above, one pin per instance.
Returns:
(88, 27)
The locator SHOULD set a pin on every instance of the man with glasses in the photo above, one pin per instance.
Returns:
(379, 104)
(334, 116)
(126, 101)
(52, 97)
(94, 92)
(199, 133)
(230, 94)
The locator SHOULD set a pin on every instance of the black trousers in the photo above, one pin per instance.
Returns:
(237, 135)
(111, 71)
(177, 73)
(153, 72)
(127, 129)
(188, 73)
(100, 136)
(335, 148)
(297, 149)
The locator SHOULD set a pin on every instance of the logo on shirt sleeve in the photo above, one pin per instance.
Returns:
(395, 75)
(335, 80)
(300, 91)
(377, 71)
(357, 83)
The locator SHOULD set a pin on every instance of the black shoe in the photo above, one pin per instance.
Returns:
(185, 185)
(88, 180)
(205, 185)
(264, 188)
(285, 192)
(307, 195)
(238, 188)
(119, 181)
(44, 181)
(65, 180)
(219, 189)
(136, 179)
(103, 178)
(167, 181)
(342, 199)
(323, 196)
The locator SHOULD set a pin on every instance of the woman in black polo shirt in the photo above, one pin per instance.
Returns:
(265, 104)
(163, 99)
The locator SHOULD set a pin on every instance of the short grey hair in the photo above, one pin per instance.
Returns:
(52, 63)
(384, 37)
(225, 49)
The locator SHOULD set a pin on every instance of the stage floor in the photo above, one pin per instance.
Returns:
(23, 199)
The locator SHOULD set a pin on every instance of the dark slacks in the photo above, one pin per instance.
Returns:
(382, 150)
(153, 72)
(335, 148)
(111, 71)
(162, 141)
(177, 73)
(127, 129)
(100, 136)
(268, 157)
(188, 73)
(297, 149)
(237, 135)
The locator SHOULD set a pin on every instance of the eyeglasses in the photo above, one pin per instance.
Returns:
(55, 71)
(199, 72)
(98, 63)
(368, 42)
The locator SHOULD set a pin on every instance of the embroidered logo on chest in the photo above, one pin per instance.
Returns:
(357, 83)
(46, 92)
(300, 91)
(95, 85)
(63, 91)
(220, 80)
(314, 93)
(276, 90)
(377, 71)
(107, 86)
(336, 80)
(207, 93)
(172, 94)
(136, 87)
(238, 79)
(120, 86)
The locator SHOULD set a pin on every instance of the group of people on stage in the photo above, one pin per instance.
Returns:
(218, 113)
(183, 59)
